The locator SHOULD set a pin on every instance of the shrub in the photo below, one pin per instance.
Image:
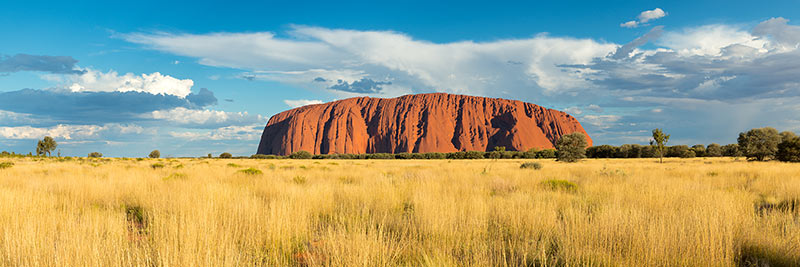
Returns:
(571, 147)
(714, 150)
(602, 151)
(301, 155)
(251, 171)
(136, 217)
(299, 179)
(699, 150)
(156, 165)
(677, 151)
(546, 154)
(262, 156)
(234, 165)
(380, 156)
(435, 155)
(154, 154)
(789, 150)
(688, 154)
(456, 155)
(493, 155)
(225, 155)
(759, 144)
(555, 184)
(417, 156)
(531, 165)
(731, 150)
(95, 155)
(402, 155)
(176, 176)
(6, 165)
(473, 155)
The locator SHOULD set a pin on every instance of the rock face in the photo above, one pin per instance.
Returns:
(415, 123)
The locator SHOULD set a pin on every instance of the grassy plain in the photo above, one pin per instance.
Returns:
(213, 212)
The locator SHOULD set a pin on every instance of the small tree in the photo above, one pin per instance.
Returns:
(731, 150)
(95, 155)
(225, 155)
(46, 146)
(789, 150)
(659, 143)
(571, 147)
(759, 144)
(499, 148)
(714, 150)
(155, 154)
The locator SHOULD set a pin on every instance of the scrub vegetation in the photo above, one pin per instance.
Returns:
(718, 211)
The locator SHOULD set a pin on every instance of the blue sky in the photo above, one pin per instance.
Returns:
(191, 78)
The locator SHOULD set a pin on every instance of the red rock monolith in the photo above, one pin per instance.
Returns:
(436, 122)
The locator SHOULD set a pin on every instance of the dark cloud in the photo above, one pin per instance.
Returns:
(96, 107)
(249, 77)
(52, 64)
(365, 85)
(203, 98)
(625, 50)
(320, 79)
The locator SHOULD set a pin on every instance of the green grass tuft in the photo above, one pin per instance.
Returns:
(6, 165)
(555, 184)
(251, 171)
(531, 165)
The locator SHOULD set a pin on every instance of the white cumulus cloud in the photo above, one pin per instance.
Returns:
(111, 81)
(394, 62)
(248, 132)
(644, 17)
(301, 102)
(206, 117)
(67, 132)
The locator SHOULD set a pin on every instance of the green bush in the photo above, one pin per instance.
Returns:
(546, 154)
(176, 176)
(403, 155)
(531, 165)
(435, 155)
(301, 155)
(789, 150)
(564, 185)
(759, 144)
(154, 154)
(156, 165)
(95, 155)
(299, 179)
(473, 155)
(225, 155)
(251, 171)
(262, 156)
(714, 150)
(380, 156)
(6, 165)
(571, 147)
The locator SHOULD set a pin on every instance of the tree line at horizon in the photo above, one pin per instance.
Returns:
(758, 144)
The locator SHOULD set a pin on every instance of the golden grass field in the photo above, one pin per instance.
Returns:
(206, 212)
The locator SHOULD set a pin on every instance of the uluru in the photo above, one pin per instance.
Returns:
(435, 122)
